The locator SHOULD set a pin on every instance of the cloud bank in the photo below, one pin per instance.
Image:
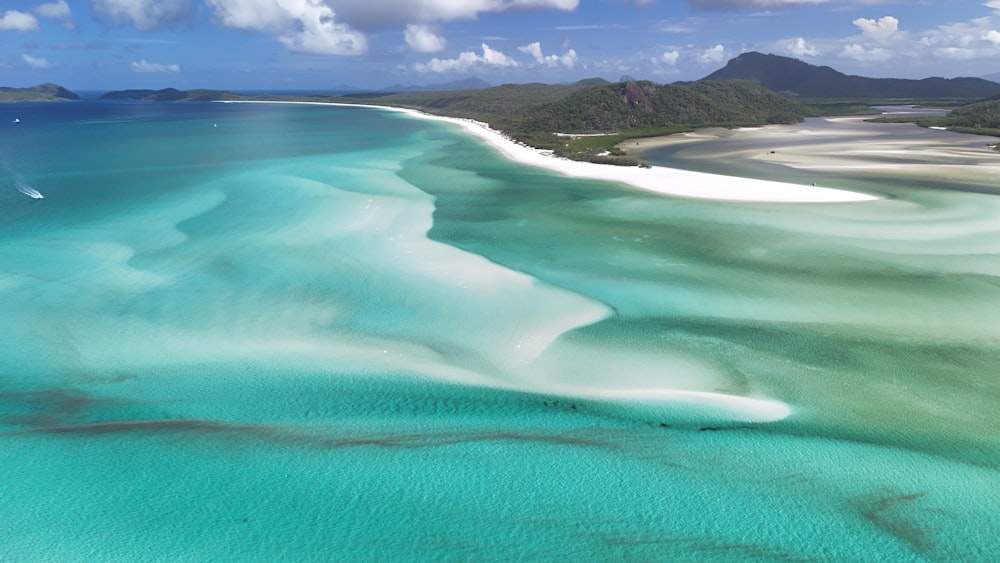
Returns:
(468, 60)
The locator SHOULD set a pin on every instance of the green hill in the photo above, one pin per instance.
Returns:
(41, 93)
(638, 105)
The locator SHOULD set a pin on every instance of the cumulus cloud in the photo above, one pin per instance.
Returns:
(144, 66)
(669, 57)
(35, 62)
(12, 20)
(567, 60)
(467, 60)
(422, 39)
(56, 10)
(976, 39)
(881, 29)
(145, 15)
(798, 47)
(713, 55)
(307, 26)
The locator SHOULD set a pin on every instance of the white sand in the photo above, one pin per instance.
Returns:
(699, 404)
(657, 179)
(731, 407)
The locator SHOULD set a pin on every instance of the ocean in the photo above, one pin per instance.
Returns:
(271, 332)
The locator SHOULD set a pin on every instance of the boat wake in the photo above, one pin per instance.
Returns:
(29, 191)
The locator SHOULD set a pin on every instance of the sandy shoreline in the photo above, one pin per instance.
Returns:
(667, 181)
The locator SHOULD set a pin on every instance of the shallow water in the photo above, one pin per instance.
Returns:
(237, 332)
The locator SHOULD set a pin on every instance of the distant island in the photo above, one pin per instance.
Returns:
(589, 119)
(173, 95)
(40, 93)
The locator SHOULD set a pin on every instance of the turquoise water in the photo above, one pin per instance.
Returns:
(272, 332)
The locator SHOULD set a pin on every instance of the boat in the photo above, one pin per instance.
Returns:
(29, 191)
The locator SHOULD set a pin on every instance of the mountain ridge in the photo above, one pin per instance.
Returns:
(795, 77)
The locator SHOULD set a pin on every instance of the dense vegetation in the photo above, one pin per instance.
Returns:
(980, 115)
(40, 93)
(636, 105)
(794, 77)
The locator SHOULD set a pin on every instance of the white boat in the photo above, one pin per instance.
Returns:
(29, 191)
(16, 120)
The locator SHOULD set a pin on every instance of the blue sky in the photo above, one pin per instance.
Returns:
(323, 44)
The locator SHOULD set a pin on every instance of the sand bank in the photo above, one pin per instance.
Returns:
(843, 145)
(657, 179)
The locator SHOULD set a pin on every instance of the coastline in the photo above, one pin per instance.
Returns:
(657, 179)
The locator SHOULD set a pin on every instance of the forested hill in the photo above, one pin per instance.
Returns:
(794, 77)
(979, 117)
(636, 105)
(40, 93)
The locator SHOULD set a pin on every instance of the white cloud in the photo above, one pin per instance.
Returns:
(881, 29)
(568, 60)
(860, 53)
(467, 60)
(35, 62)
(422, 39)
(144, 66)
(713, 55)
(307, 26)
(976, 39)
(145, 14)
(533, 49)
(669, 57)
(58, 9)
(12, 20)
(798, 47)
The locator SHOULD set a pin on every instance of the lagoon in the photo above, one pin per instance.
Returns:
(236, 331)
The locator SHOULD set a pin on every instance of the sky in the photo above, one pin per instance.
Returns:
(371, 44)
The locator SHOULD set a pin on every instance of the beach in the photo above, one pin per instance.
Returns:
(658, 179)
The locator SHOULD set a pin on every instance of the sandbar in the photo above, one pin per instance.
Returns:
(658, 179)
(844, 146)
